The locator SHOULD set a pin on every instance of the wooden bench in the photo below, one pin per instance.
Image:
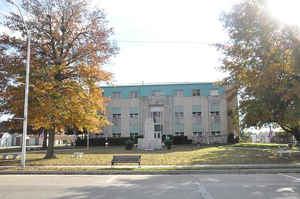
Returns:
(14, 155)
(126, 159)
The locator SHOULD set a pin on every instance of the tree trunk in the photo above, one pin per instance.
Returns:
(296, 134)
(45, 134)
(50, 150)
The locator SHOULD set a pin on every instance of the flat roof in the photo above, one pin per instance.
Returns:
(158, 84)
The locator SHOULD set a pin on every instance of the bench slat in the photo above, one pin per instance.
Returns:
(126, 159)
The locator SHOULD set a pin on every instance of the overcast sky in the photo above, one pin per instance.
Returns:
(187, 27)
(168, 40)
(173, 37)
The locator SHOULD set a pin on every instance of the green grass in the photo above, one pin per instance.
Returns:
(261, 145)
(178, 155)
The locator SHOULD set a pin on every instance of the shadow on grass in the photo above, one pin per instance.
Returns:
(230, 155)
(121, 150)
(29, 161)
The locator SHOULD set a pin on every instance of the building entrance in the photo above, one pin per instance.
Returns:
(157, 117)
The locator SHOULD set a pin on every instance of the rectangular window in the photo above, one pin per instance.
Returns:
(117, 116)
(133, 134)
(157, 127)
(133, 94)
(179, 115)
(116, 119)
(134, 115)
(197, 133)
(116, 135)
(156, 93)
(178, 93)
(214, 92)
(179, 133)
(215, 114)
(196, 92)
(197, 115)
(214, 107)
(215, 133)
(116, 95)
(156, 117)
(196, 118)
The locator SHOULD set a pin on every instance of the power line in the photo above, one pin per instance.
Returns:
(165, 42)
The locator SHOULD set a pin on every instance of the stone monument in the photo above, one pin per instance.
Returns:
(151, 140)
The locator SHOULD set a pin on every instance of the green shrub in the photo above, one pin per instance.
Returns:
(177, 140)
(230, 138)
(168, 144)
(129, 144)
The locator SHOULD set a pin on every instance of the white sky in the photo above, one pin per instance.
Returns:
(174, 20)
(191, 23)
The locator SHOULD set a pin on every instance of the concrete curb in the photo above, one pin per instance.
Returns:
(169, 172)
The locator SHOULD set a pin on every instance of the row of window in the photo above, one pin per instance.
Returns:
(157, 93)
(196, 133)
(200, 133)
(178, 115)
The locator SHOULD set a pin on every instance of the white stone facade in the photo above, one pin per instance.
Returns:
(178, 114)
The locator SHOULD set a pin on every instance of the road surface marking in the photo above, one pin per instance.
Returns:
(111, 179)
(288, 176)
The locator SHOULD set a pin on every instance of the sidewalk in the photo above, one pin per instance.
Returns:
(152, 169)
(200, 166)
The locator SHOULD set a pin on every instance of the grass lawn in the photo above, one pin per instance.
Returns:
(262, 145)
(178, 155)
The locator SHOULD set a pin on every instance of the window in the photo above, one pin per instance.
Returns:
(116, 95)
(132, 134)
(215, 114)
(178, 93)
(196, 114)
(133, 94)
(116, 135)
(179, 133)
(179, 115)
(196, 92)
(156, 117)
(116, 118)
(197, 133)
(133, 115)
(156, 93)
(214, 92)
(158, 127)
(216, 133)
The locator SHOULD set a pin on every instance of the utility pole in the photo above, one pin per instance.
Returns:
(23, 158)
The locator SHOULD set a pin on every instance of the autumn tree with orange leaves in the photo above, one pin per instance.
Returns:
(69, 46)
(262, 58)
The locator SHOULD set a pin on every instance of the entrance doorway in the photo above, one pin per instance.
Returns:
(156, 116)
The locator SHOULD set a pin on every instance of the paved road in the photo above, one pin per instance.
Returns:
(277, 186)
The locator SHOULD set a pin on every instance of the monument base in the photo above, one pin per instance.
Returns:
(149, 144)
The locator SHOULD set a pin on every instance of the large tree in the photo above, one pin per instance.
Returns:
(69, 45)
(262, 58)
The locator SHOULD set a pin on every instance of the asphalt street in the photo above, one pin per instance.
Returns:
(220, 186)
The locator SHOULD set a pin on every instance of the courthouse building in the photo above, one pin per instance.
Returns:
(199, 111)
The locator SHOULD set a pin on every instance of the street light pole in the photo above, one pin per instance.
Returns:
(23, 157)
(26, 102)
